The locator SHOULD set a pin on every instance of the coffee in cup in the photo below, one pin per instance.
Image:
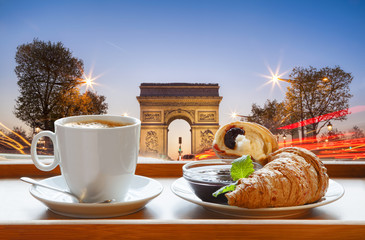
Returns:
(95, 123)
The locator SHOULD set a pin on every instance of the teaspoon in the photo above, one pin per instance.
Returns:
(32, 181)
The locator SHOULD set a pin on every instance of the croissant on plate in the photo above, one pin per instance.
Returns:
(293, 176)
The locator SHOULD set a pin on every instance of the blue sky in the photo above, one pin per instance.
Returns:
(231, 43)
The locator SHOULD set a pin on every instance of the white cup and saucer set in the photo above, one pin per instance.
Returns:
(97, 155)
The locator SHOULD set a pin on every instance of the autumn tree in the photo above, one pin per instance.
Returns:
(319, 94)
(96, 105)
(48, 75)
(74, 103)
(271, 115)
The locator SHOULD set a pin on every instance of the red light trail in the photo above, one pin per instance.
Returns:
(325, 117)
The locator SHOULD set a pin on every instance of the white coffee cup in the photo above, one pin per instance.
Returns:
(97, 163)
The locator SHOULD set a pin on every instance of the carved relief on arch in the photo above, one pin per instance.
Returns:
(151, 142)
(188, 115)
(206, 140)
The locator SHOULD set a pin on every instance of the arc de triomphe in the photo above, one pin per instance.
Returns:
(162, 103)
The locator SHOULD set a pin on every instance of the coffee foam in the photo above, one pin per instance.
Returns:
(95, 124)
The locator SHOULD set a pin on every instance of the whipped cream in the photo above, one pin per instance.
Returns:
(245, 147)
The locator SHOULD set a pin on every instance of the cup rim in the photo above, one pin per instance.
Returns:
(134, 122)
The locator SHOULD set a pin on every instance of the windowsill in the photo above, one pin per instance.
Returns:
(22, 165)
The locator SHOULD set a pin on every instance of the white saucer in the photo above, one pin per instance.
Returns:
(141, 191)
(182, 189)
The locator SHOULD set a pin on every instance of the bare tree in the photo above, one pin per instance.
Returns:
(356, 132)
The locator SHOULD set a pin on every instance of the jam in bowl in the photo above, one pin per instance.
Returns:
(207, 176)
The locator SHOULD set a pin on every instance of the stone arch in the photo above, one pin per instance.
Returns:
(162, 103)
(179, 113)
(186, 139)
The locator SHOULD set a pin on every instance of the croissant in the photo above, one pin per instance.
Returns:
(293, 176)
(244, 138)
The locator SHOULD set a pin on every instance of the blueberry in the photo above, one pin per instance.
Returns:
(230, 137)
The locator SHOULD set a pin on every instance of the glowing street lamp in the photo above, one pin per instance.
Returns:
(329, 127)
(36, 130)
(276, 79)
(89, 81)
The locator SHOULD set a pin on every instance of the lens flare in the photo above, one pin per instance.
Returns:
(273, 78)
(89, 81)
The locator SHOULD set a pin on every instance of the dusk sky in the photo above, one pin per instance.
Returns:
(232, 43)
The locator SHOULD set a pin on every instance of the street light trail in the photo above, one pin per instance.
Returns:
(18, 135)
(334, 148)
(325, 117)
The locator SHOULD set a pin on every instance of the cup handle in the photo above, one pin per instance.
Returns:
(34, 155)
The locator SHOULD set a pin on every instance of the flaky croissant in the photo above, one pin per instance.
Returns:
(293, 176)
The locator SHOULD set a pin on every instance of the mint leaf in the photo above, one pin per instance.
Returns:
(228, 188)
(242, 167)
